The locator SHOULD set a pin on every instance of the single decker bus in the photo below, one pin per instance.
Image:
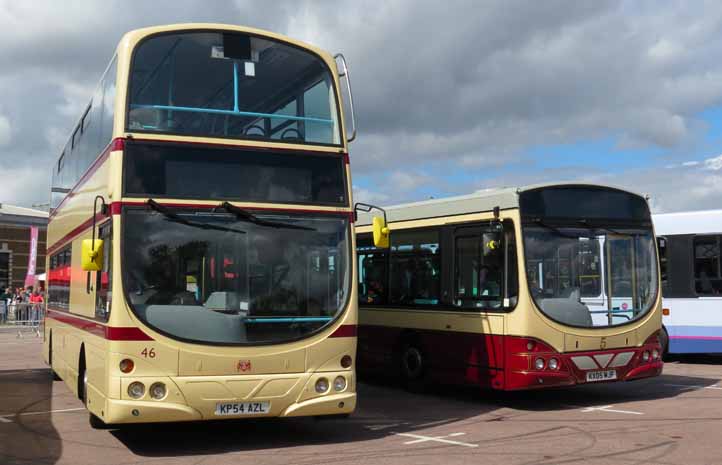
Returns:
(691, 273)
(200, 245)
(510, 289)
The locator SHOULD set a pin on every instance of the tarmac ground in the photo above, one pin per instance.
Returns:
(673, 419)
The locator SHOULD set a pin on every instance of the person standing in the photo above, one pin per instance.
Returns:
(5, 299)
(36, 299)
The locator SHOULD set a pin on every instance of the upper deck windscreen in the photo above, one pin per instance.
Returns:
(231, 85)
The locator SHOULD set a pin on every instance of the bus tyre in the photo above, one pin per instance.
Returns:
(664, 342)
(413, 367)
(53, 373)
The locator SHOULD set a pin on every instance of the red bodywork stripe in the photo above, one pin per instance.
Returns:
(110, 333)
(345, 331)
(75, 233)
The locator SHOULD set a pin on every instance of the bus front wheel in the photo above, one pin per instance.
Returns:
(664, 342)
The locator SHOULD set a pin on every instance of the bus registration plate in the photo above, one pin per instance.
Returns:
(604, 375)
(242, 408)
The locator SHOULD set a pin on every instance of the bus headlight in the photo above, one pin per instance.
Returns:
(553, 364)
(339, 383)
(136, 390)
(645, 356)
(321, 385)
(539, 364)
(157, 391)
(655, 354)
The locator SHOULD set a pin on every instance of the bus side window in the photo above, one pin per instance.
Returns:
(662, 247)
(415, 268)
(104, 277)
(708, 279)
(372, 272)
(479, 275)
(511, 270)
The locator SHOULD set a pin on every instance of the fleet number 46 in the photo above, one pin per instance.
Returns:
(148, 353)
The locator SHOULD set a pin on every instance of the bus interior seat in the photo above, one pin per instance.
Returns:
(194, 322)
(569, 310)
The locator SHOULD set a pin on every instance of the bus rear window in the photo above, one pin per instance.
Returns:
(197, 172)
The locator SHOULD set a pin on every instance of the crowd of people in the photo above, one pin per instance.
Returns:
(27, 303)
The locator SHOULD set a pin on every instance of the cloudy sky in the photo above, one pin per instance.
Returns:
(452, 97)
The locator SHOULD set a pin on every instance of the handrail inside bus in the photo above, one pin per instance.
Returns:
(233, 112)
(302, 319)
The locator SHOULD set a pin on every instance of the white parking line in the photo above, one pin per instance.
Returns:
(419, 438)
(608, 408)
(6, 418)
(386, 426)
(437, 422)
(694, 386)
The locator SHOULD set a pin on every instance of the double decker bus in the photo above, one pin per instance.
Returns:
(200, 250)
(511, 289)
(690, 262)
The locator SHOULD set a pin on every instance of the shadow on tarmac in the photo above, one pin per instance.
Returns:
(27, 434)
(695, 359)
(384, 410)
(381, 411)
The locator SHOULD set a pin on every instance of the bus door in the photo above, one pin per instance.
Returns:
(588, 269)
(480, 284)
(621, 290)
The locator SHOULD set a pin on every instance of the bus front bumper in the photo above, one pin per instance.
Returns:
(588, 367)
(197, 398)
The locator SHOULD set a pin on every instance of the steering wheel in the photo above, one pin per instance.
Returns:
(297, 137)
(258, 127)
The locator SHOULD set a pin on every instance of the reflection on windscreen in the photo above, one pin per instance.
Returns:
(210, 277)
(590, 276)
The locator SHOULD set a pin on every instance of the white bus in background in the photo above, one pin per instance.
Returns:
(690, 262)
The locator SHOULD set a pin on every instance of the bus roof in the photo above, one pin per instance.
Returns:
(481, 201)
(692, 222)
(134, 36)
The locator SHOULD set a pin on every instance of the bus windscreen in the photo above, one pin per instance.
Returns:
(590, 255)
(222, 278)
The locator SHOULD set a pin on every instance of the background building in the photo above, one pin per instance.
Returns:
(15, 223)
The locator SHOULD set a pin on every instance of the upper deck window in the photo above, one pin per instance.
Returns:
(231, 85)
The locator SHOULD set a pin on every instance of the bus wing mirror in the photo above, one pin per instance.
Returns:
(92, 255)
(381, 233)
(379, 224)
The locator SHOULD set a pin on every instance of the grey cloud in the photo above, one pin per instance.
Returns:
(440, 87)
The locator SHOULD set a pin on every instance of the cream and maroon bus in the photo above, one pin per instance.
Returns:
(200, 246)
(512, 289)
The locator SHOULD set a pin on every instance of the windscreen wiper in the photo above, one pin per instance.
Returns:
(559, 232)
(587, 224)
(244, 215)
(172, 216)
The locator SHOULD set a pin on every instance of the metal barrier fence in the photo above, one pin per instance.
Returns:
(23, 317)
